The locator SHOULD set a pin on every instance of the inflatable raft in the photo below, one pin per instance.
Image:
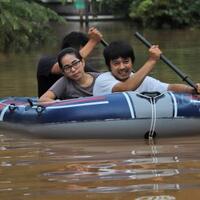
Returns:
(117, 115)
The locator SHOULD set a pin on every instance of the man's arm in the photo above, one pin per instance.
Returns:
(56, 69)
(94, 38)
(183, 88)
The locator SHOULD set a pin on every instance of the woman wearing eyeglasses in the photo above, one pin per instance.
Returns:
(75, 82)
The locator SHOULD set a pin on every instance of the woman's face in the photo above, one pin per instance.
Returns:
(73, 67)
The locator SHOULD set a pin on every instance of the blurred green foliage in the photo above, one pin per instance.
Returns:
(157, 13)
(116, 6)
(24, 23)
(166, 13)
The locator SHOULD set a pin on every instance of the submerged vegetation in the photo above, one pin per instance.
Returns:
(23, 24)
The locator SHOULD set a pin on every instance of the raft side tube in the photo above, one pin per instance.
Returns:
(114, 106)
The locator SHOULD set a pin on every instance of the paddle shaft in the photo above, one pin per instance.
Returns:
(104, 43)
(168, 62)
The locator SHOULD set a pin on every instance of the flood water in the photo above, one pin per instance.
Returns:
(165, 168)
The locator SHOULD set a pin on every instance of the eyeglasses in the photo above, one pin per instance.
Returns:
(75, 65)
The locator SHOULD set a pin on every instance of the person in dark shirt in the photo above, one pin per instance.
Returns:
(48, 71)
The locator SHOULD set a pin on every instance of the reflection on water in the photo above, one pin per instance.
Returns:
(38, 169)
(98, 169)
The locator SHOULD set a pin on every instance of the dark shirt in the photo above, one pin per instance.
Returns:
(45, 79)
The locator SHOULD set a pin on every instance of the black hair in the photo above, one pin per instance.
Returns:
(65, 51)
(118, 49)
(74, 39)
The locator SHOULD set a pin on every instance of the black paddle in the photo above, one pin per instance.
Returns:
(104, 43)
(169, 63)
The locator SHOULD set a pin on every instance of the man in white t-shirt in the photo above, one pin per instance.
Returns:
(119, 57)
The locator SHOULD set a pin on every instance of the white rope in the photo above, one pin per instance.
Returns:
(153, 117)
(3, 112)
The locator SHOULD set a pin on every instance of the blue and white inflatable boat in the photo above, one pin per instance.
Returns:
(118, 115)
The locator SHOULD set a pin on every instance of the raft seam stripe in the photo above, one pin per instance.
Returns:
(129, 104)
(175, 104)
(78, 105)
(67, 106)
(132, 104)
(2, 103)
(3, 112)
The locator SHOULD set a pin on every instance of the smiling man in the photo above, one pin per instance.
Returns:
(119, 57)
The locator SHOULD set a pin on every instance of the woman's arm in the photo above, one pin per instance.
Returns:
(48, 96)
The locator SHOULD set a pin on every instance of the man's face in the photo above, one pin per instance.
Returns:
(121, 68)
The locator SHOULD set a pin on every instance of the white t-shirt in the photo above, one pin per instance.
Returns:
(106, 81)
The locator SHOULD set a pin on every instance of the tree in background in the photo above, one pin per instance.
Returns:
(166, 13)
(24, 23)
(156, 13)
(118, 7)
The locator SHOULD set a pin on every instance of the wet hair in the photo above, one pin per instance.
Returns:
(74, 39)
(118, 49)
(66, 51)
